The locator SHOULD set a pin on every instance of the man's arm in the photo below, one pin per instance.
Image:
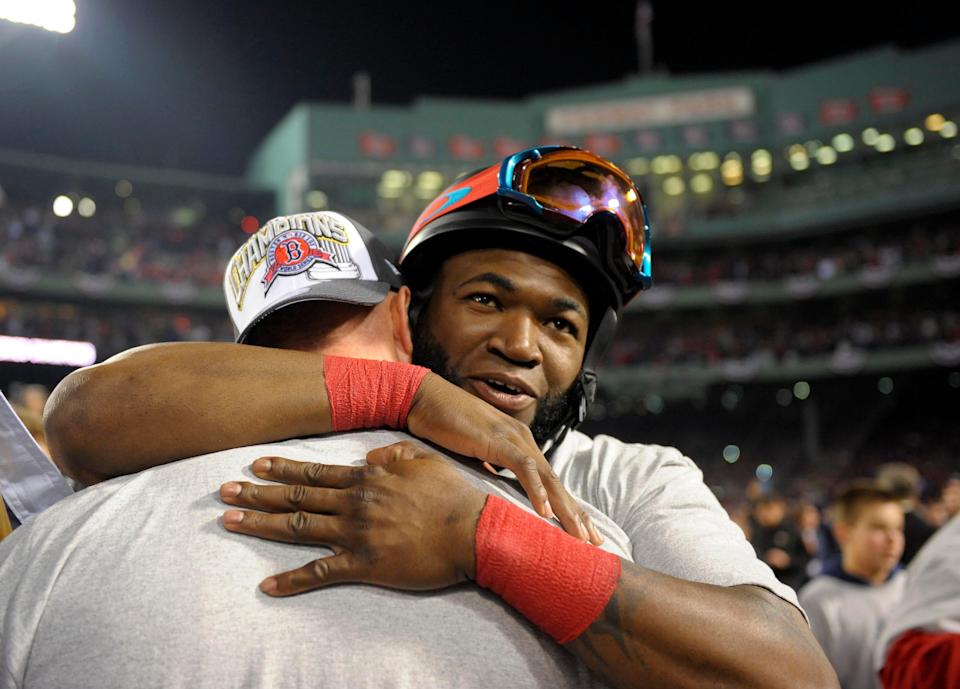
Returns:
(658, 631)
(412, 525)
(159, 403)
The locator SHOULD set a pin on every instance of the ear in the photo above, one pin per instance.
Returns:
(400, 320)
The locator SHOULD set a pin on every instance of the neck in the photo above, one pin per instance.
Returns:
(874, 576)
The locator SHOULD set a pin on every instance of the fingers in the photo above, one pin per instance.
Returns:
(536, 474)
(571, 515)
(508, 451)
(284, 470)
(281, 498)
(405, 449)
(327, 570)
(294, 527)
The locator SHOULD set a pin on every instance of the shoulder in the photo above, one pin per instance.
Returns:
(607, 454)
(619, 477)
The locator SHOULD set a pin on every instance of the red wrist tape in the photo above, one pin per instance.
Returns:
(364, 393)
(557, 582)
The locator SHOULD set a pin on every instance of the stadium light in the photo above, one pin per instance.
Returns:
(761, 163)
(826, 155)
(638, 166)
(886, 143)
(843, 143)
(731, 453)
(123, 188)
(317, 200)
(732, 171)
(673, 186)
(870, 136)
(707, 160)
(797, 155)
(666, 165)
(57, 16)
(913, 136)
(701, 183)
(86, 207)
(62, 206)
(934, 122)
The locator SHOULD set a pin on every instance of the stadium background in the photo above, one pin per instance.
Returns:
(803, 327)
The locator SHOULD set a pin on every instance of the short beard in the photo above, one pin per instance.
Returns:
(552, 410)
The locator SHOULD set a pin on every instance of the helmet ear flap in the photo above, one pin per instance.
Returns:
(588, 392)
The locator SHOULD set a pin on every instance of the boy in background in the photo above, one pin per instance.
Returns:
(850, 600)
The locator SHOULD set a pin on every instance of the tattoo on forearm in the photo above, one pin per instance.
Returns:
(607, 635)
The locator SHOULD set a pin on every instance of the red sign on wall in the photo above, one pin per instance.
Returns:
(838, 111)
(888, 99)
(602, 144)
(377, 145)
(504, 146)
(463, 147)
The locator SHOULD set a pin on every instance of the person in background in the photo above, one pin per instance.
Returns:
(919, 648)
(951, 496)
(849, 601)
(903, 480)
(777, 541)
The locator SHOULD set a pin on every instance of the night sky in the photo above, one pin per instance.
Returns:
(196, 85)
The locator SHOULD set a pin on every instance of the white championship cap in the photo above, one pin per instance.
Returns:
(321, 256)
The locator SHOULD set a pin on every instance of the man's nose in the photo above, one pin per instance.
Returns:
(517, 338)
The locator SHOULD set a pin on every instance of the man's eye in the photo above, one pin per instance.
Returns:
(486, 299)
(563, 325)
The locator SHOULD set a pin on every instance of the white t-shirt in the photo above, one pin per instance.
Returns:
(846, 617)
(931, 601)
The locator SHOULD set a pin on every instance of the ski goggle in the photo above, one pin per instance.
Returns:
(564, 187)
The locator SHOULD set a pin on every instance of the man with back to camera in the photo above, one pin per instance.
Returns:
(919, 648)
(851, 599)
(535, 271)
(122, 585)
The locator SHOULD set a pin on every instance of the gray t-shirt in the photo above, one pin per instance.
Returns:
(134, 583)
(674, 522)
(931, 602)
(846, 617)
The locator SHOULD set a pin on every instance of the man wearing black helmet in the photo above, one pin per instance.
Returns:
(539, 254)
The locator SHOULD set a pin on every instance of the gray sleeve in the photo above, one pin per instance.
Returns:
(677, 527)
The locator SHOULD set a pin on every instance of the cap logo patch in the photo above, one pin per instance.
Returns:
(291, 253)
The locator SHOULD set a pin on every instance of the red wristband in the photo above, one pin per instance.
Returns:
(557, 582)
(364, 393)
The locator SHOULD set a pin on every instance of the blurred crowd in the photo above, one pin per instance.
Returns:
(823, 258)
(782, 336)
(110, 330)
(795, 535)
(146, 247)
